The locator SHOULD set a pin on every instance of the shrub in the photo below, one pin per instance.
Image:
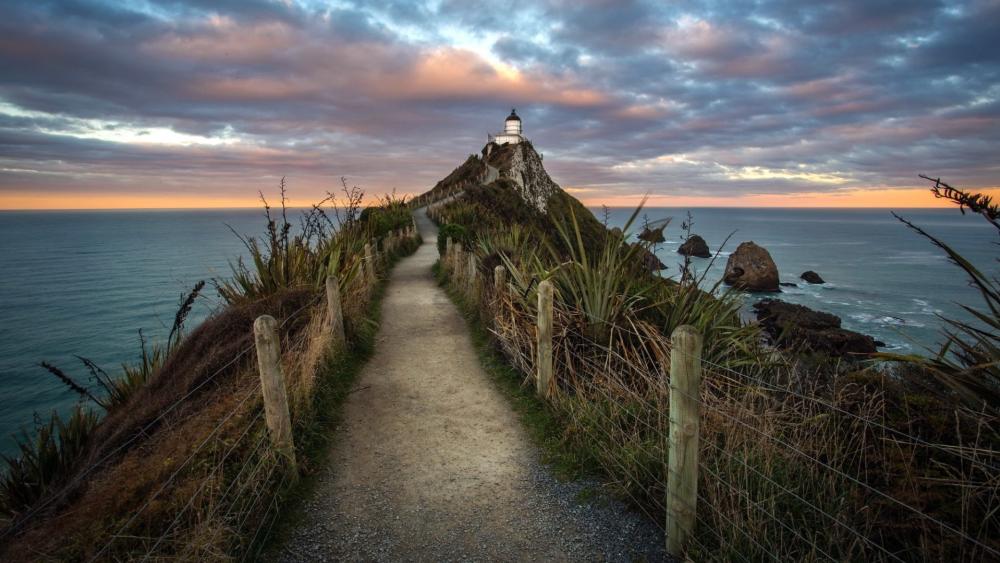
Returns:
(457, 233)
(968, 364)
(44, 459)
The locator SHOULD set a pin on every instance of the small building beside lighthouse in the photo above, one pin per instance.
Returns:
(511, 131)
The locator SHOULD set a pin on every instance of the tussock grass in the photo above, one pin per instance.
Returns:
(801, 458)
(181, 466)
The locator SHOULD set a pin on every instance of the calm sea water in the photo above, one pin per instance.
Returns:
(882, 278)
(85, 282)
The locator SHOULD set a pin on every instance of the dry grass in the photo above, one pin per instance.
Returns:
(794, 466)
(183, 470)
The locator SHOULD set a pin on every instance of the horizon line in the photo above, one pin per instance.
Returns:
(587, 205)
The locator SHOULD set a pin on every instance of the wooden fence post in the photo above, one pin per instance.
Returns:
(447, 252)
(333, 306)
(456, 264)
(682, 453)
(370, 263)
(473, 276)
(499, 279)
(543, 378)
(272, 386)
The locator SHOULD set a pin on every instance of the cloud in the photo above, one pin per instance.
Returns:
(775, 97)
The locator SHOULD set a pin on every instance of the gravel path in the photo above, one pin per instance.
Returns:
(431, 463)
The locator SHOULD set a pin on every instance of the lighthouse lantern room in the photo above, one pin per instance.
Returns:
(511, 130)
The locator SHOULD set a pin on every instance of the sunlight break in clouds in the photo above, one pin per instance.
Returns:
(111, 131)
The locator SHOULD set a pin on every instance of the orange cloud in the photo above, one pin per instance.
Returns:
(591, 196)
(305, 194)
(859, 198)
(250, 88)
(377, 71)
(448, 72)
(223, 40)
(29, 200)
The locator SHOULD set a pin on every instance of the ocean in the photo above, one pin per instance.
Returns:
(85, 282)
(882, 278)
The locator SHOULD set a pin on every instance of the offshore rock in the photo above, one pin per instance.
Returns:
(799, 328)
(811, 277)
(652, 235)
(751, 268)
(695, 246)
(650, 262)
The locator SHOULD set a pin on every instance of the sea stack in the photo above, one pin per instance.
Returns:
(795, 327)
(652, 235)
(695, 246)
(812, 277)
(751, 268)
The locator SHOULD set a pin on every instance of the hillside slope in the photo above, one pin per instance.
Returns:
(508, 185)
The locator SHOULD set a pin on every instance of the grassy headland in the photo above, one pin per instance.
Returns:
(803, 456)
(173, 460)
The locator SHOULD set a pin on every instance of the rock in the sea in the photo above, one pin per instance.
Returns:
(695, 246)
(811, 277)
(788, 284)
(751, 268)
(801, 328)
(652, 235)
(650, 262)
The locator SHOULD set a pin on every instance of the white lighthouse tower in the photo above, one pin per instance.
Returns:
(511, 130)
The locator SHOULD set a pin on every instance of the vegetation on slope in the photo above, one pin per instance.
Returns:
(180, 465)
(801, 458)
(968, 363)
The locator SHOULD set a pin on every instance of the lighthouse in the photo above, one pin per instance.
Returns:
(511, 131)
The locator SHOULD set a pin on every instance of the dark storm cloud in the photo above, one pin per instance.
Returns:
(714, 98)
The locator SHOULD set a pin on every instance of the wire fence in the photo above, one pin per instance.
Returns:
(218, 495)
(788, 468)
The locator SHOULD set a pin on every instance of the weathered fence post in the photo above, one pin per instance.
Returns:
(499, 279)
(456, 265)
(682, 453)
(272, 386)
(473, 275)
(333, 306)
(543, 379)
(447, 252)
(369, 263)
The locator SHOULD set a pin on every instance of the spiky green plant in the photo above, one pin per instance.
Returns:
(283, 259)
(968, 363)
(602, 283)
(44, 458)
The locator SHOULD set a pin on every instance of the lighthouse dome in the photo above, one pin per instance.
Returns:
(512, 125)
(512, 132)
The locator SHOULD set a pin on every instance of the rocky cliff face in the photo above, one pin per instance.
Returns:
(522, 165)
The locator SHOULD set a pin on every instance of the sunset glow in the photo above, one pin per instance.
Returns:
(184, 104)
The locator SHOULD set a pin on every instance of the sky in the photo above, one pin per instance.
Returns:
(199, 103)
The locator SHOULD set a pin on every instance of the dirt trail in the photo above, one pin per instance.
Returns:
(431, 463)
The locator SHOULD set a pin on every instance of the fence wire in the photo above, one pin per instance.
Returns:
(613, 382)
